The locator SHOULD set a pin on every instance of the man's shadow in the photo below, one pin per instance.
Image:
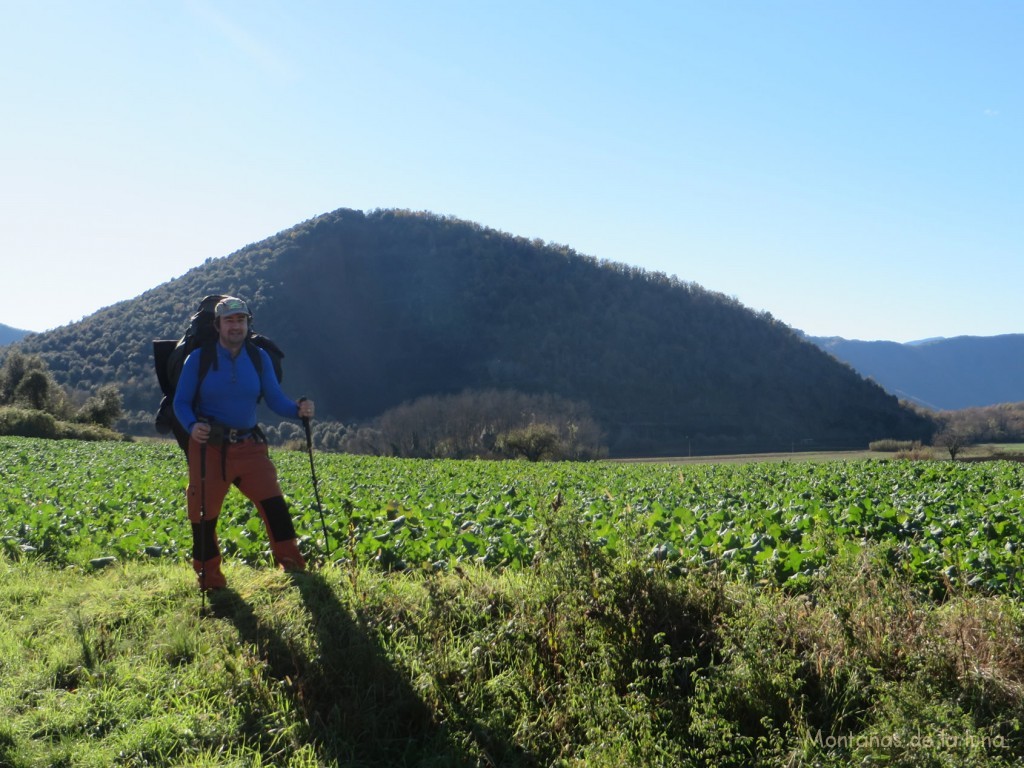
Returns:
(361, 710)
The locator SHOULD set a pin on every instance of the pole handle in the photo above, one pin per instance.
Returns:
(305, 423)
(316, 485)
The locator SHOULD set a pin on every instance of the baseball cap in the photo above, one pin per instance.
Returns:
(229, 305)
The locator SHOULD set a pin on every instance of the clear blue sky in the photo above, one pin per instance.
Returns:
(854, 167)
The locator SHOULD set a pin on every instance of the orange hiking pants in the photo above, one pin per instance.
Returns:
(247, 465)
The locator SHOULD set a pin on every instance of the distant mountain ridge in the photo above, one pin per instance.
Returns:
(9, 335)
(377, 309)
(940, 373)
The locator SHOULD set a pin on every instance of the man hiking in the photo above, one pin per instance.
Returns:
(217, 406)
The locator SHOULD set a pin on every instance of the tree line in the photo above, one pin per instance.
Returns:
(488, 424)
(1002, 423)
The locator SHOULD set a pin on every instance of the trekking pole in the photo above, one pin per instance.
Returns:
(202, 527)
(316, 486)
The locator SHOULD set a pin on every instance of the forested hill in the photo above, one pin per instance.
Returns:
(9, 335)
(940, 374)
(377, 309)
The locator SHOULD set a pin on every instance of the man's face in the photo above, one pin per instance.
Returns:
(233, 329)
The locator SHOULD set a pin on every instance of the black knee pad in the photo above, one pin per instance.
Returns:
(278, 520)
(204, 540)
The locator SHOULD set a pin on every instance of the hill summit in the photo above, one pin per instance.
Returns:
(376, 309)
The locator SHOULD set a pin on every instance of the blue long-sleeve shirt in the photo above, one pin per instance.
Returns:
(229, 391)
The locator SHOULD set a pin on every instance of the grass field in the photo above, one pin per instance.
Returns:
(769, 613)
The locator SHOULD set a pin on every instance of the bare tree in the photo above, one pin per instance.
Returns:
(955, 438)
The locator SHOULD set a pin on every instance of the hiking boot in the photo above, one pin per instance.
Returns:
(287, 555)
(214, 578)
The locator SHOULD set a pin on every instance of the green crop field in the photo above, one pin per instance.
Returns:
(784, 613)
(948, 525)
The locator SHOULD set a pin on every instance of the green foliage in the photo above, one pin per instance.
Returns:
(27, 423)
(103, 408)
(26, 382)
(410, 305)
(32, 404)
(947, 526)
(95, 432)
(506, 613)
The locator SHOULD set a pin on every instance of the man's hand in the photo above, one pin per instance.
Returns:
(200, 432)
(306, 409)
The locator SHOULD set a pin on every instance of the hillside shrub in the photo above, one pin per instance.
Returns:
(68, 430)
(35, 405)
(890, 445)
(533, 442)
(103, 408)
(23, 422)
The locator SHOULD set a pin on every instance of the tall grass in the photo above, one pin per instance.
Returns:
(581, 659)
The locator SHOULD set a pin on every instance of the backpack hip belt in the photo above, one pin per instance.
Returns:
(224, 437)
(221, 435)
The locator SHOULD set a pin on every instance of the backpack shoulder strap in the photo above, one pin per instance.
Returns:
(207, 360)
(257, 363)
(254, 354)
(273, 352)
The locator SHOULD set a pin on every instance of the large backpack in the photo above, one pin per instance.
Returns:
(169, 356)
